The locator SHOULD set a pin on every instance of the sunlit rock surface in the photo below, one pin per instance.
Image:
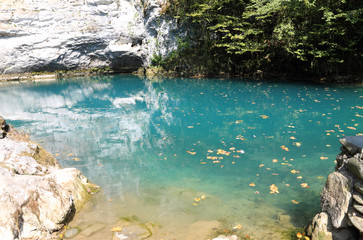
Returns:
(342, 196)
(37, 197)
(51, 35)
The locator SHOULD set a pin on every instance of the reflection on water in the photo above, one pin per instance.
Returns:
(186, 155)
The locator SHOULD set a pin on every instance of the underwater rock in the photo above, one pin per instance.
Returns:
(37, 197)
(70, 233)
(93, 229)
(224, 237)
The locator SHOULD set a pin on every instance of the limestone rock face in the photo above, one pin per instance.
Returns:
(336, 197)
(36, 195)
(49, 35)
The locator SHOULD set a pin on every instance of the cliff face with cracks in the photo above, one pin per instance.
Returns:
(49, 35)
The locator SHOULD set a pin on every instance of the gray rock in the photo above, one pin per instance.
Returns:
(355, 166)
(356, 219)
(353, 144)
(336, 197)
(70, 233)
(358, 208)
(322, 228)
(36, 196)
(358, 198)
(78, 34)
(359, 187)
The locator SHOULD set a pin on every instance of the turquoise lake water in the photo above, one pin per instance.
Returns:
(192, 156)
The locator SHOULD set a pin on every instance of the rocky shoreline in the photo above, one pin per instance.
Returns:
(37, 197)
(342, 196)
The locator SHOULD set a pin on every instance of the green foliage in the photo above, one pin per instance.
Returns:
(295, 36)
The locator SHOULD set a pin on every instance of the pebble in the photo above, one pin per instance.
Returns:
(70, 233)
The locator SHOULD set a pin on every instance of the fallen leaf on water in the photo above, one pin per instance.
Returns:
(299, 177)
(213, 158)
(294, 201)
(294, 171)
(297, 144)
(232, 148)
(257, 192)
(210, 151)
(307, 238)
(352, 128)
(195, 204)
(292, 138)
(236, 156)
(203, 162)
(69, 154)
(192, 153)
(299, 235)
(190, 126)
(304, 185)
(274, 189)
(328, 145)
(274, 160)
(240, 151)
(264, 116)
(323, 158)
(261, 165)
(197, 199)
(116, 229)
(319, 177)
(57, 154)
(76, 159)
(252, 185)
(283, 147)
(203, 197)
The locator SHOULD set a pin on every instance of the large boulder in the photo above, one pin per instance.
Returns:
(37, 196)
(336, 197)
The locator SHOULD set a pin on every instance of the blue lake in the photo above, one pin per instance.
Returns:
(192, 156)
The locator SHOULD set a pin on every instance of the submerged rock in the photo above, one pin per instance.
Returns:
(36, 195)
(70, 233)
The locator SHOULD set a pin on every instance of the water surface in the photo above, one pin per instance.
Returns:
(192, 156)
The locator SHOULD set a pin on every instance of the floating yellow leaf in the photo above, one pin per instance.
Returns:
(328, 145)
(297, 144)
(192, 153)
(202, 162)
(292, 138)
(299, 235)
(294, 171)
(304, 185)
(274, 189)
(236, 156)
(299, 177)
(232, 148)
(69, 154)
(264, 116)
(261, 165)
(307, 238)
(274, 160)
(212, 158)
(203, 197)
(352, 128)
(252, 185)
(283, 147)
(57, 154)
(210, 151)
(190, 126)
(116, 229)
(76, 159)
(319, 177)
(195, 204)
(294, 201)
(197, 199)
(323, 158)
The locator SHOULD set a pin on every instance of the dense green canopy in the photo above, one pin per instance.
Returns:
(316, 37)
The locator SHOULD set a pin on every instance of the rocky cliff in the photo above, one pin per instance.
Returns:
(37, 196)
(342, 196)
(49, 35)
